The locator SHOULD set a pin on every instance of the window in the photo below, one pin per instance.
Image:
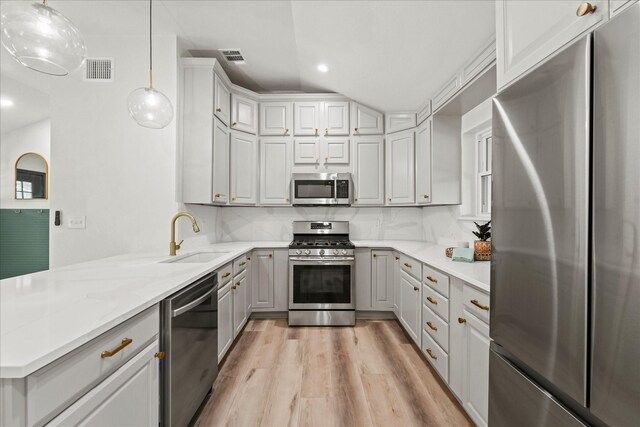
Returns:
(30, 184)
(483, 172)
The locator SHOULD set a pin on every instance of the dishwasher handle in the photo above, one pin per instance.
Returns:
(178, 311)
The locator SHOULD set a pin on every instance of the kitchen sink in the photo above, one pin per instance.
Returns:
(195, 258)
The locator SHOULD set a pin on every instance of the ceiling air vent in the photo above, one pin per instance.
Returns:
(98, 70)
(233, 55)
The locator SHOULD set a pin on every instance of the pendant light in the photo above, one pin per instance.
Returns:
(148, 107)
(41, 38)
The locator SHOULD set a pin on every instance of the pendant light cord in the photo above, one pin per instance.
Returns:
(150, 44)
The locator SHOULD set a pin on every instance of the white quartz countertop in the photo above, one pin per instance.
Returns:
(474, 273)
(45, 315)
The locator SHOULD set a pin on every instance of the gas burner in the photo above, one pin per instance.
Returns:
(324, 239)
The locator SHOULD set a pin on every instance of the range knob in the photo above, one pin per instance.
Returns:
(321, 251)
(307, 251)
(298, 251)
(335, 251)
(344, 252)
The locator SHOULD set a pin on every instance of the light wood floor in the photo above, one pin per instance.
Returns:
(367, 375)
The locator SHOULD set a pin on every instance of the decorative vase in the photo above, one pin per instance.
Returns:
(482, 250)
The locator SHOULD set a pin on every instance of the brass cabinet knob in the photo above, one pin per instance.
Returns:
(286, 200)
(415, 288)
(355, 129)
(326, 158)
(248, 258)
(375, 255)
(237, 283)
(355, 200)
(218, 109)
(217, 195)
(234, 286)
(286, 131)
(326, 131)
(316, 131)
(585, 9)
(233, 199)
(397, 258)
(160, 355)
(425, 196)
(234, 123)
(389, 199)
(270, 255)
(433, 356)
(462, 320)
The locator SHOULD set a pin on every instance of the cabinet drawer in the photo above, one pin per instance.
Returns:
(59, 384)
(436, 327)
(436, 302)
(224, 274)
(239, 265)
(411, 266)
(436, 356)
(436, 280)
(476, 302)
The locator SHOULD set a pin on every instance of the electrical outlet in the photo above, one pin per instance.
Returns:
(76, 221)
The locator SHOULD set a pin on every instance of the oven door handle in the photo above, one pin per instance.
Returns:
(322, 261)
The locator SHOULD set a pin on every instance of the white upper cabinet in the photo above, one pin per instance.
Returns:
(244, 169)
(368, 170)
(306, 118)
(221, 99)
(423, 163)
(306, 151)
(335, 115)
(400, 168)
(396, 122)
(275, 170)
(366, 121)
(276, 118)
(618, 6)
(244, 114)
(336, 151)
(220, 173)
(527, 32)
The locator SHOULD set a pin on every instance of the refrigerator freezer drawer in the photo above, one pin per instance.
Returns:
(533, 407)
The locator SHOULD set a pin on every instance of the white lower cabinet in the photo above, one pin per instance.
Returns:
(410, 305)
(396, 284)
(225, 320)
(270, 280)
(382, 278)
(476, 369)
(128, 397)
(240, 292)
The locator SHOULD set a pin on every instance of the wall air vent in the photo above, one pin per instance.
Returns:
(233, 55)
(98, 70)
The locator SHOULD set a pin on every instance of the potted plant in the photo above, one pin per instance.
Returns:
(482, 247)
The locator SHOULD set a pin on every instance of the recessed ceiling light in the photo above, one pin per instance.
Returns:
(323, 68)
(5, 102)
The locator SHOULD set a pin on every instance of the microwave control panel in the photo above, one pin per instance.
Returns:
(342, 189)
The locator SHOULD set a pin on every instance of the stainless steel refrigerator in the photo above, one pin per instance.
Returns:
(565, 269)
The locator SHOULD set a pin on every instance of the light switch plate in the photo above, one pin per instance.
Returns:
(76, 221)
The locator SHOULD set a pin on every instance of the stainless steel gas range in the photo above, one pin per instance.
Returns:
(321, 274)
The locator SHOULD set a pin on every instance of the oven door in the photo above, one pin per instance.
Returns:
(314, 189)
(321, 284)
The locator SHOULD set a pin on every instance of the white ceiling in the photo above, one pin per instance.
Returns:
(390, 55)
(30, 105)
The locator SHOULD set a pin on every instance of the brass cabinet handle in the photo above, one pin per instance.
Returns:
(243, 263)
(218, 109)
(431, 279)
(432, 301)
(585, 9)
(355, 129)
(286, 131)
(326, 131)
(233, 199)
(270, 255)
(481, 306)
(397, 258)
(389, 199)
(286, 199)
(462, 320)
(407, 265)
(429, 324)
(234, 286)
(316, 131)
(425, 196)
(125, 342)
(225, 275)
(326, 158)
(160, 355)
(375, 255)
(237, 283)
(416, 288)
(217, 195)
(234, 123)
(433, 356)
(355, 200)
(248, 258)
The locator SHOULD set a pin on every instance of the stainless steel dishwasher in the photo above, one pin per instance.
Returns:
(189, 325)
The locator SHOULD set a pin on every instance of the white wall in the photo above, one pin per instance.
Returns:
(35, 138)
(274, 223)
(120, 175)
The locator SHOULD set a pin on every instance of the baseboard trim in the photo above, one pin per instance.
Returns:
(270, 315)
(375, 315)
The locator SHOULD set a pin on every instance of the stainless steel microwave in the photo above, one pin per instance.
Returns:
(321, 189)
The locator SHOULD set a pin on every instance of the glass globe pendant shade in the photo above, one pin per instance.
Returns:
(41, 38)
(150, 108)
